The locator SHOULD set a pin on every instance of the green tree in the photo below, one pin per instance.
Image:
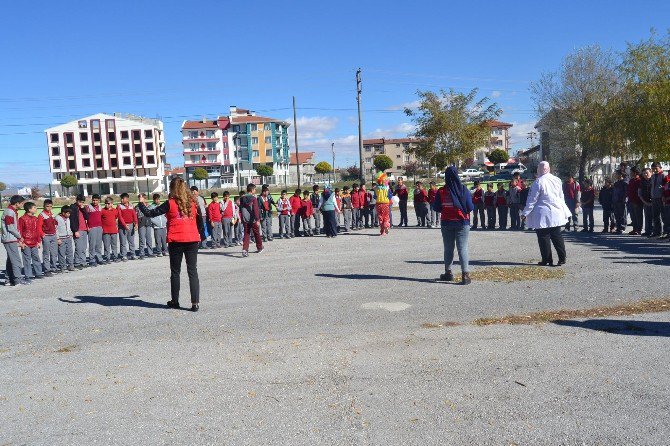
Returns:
(323, 167)
(264, 171)
(451, 123)
(351, 173)
(412, 168)
(498, 156)
(440, 160)
(382, 163)
(68, 181)
(199, 173)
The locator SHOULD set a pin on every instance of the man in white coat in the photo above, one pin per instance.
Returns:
(547, 213)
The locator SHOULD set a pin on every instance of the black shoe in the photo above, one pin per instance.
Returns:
(561, 262)
(79, 267)
(465, 279)
(447, 276)
(550, 263)
(173, 304)
(48, 274)
(195, 307)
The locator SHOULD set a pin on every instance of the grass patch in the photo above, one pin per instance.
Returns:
(643, 306)
(66, 349)
(440, 325)
(517, 274)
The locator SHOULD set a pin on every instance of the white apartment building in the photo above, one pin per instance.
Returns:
(109, 154)
(499, 139)
(209, 144)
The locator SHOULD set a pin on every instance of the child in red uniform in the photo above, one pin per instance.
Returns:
(227, 211)
(306, 213)
(356, 207)
(47, 224)
(434, 216)
(478, 203)
(284, 211)
(502, 203)
(490, 205)
(127, 231)
(296, 204)
(215, 220)
(32, 242)
(111, 219)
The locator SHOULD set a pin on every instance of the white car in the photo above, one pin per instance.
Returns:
(471, 174)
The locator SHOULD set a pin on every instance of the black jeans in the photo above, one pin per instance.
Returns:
(402, 204)
(636, 216)
(188, 250)
(545, 238)
(620, 216)
(477, 215)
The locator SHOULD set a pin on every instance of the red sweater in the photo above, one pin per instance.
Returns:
(214, 212)
(47, 223)
(29, 230)
(306, 210)
(296, 204)
(227, 207)
(110, 219)
(355, 200)
(477, 196)
(420, 196)
(633, 186)
(127, 214)
(94, 216)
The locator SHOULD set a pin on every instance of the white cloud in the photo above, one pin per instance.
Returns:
(519, 134)
(495, 94)
(402, 129)
(404, 105)
(315, 126)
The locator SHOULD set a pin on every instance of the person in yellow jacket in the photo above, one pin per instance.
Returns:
(383, 194)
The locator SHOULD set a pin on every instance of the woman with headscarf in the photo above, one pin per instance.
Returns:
(383, 197)
(328, 206)
(547, 213)
(454, 203)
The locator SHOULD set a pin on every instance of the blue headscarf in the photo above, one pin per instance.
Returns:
(459, 194)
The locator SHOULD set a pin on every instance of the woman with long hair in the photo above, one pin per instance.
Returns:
(185, 230)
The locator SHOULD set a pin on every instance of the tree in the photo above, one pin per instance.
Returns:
(323, 167)
(35, 192)
(382, 163)
(497, 156)
(412, 168)
(440, 160)
(199, 173)
(451, 123)
(351, 173)
(3, 186)
(68, 181)
(264, 171)
(574, 103)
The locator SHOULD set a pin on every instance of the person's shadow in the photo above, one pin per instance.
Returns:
(113, 301)
(635, 328)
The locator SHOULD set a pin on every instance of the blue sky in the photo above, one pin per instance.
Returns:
(176, 60)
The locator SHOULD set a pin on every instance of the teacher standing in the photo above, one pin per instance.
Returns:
(547, 213)
(184, 229)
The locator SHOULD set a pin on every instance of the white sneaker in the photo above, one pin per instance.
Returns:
(245, 253)
(260, 250)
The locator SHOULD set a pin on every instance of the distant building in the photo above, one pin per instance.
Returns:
(208, 144)
(396, 149)
(108, 154)
(499, 139)
(306, 162)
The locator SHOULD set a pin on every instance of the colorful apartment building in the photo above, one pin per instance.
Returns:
(208, 144)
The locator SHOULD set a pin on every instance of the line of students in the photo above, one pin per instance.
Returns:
(505, 204)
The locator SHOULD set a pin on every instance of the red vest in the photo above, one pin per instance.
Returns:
(181, 228)
(449, 211)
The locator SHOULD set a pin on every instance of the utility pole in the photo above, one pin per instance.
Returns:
(360, 128)
(295, 132)
(531, 136)
(332, 149)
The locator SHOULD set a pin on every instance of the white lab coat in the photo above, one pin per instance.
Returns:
(546, 206)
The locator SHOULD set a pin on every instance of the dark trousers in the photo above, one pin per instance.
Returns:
(329, 223)
(478, 214)
(253, 226)
(502, 217)
(548, 236)
(587, 218)
(297, 221)
(636, 216)
(491, 212)
(188, 250)
(620, 216)
(402, 205)
(648, 219)
(608, 218)
(515, 218)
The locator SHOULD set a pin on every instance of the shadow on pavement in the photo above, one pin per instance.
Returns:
(635, 328)
(472, 262)
(374, 277)
(113, 301)
(643, 249)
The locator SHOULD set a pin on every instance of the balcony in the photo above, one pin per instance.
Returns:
(202, 163)
(201, 151)
(187, 139)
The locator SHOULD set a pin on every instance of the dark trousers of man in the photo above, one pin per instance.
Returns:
(620, 216)
(648, 218)
(190, 252)
(491, 212)
(658, 218)
(572, 205)
(607, 217)
(478, 214)
(297, 221)
(366, 216)
(515, 219)
(636, 216)
(587, 218)
(502, 217)
(402, 205)
(545, 238)
(248, 228)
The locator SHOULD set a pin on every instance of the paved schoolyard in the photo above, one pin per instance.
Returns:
(320, 341)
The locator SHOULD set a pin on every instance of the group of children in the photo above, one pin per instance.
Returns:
(504, 204)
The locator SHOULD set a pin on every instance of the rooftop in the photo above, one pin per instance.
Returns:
(389, 141)
(304, 157)
(494, 123)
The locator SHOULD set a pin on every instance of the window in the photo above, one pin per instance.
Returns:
(98, 164)
(129, 173)
(124, 134)
(55, 151)
(112, 150)
(56, 164)
(54, 137)
(236, 128)
(136, 135)
(95, 124)
(406, 158)
(368, 160)
(126, 160)
(268, 152)
(254, 127)
(109, 123)
(83, 136)
(70, 151)
(192, 134)
(149, 146)
(96, 137)
(400, 167)
(268, 140)
(226, 157)
(150, 159)
(138, 160)
(210, 134)
(114, 163)
(211, 146)
(125, 148)
(82, 124)
(397, 156)
(148, 133)
(85, 150)
(368, 149)
(255, 153)
(111, 136)
(193, 146)
(397, 145)
(86, 162)
(71, 165)
(69, 138)
(97, 150)
(225, 144)
(254, 140)
(405, 146)
(266, 126)
(137, 148)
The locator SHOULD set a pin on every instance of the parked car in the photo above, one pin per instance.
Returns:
(471, 174)
(514, 168)
(502, 176)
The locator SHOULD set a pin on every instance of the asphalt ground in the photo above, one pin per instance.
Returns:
(322, 341)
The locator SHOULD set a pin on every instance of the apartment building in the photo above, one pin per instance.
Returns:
(208, 143)
(499, 139)
(108, 153)
(396, 149)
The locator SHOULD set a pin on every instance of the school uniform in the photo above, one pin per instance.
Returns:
(202, 212)
(127, 235)
(502, 201)
(111, 219)
(238, 227)
(251, 215)
(47, 223)
(371, 205)
(514, 199)
(284, 211)
(94, 223)
(661, 223)
(619, 204)
(421, 206)
(10, 237)
(356, 209)
(65, 249)
(490, 205)
(159, 225)
(635, 204)
(314, 199)
(227, 207)
(587, 200)
(306, 214)
(296, 204)
(81, 241)
(144, 231)
(216, 222)
(403, 195)
(571, 194)
(338, 215)
(265, 206)
(32, 237)
(605, 199)
(347, 211)
(433, 215)
(478, 211)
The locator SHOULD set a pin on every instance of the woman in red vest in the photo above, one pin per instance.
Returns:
(184, 233)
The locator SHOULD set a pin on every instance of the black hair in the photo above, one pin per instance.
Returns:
(47, 202)
(337, 189)
(81, 197)
(297, 191)
(354, 185)
(28, 206)
(194, 188)
(476, 183)
(95, 197)
(214, 195)
(65, 209)
(251, 187)
(226, 194)
(16, 199)
(315, 187)
(265, 187)
(156, 196)
(124, 195)
(345, 188)
(305, 192)
(283, 191)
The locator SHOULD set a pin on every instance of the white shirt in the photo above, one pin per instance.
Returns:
(546, 206)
